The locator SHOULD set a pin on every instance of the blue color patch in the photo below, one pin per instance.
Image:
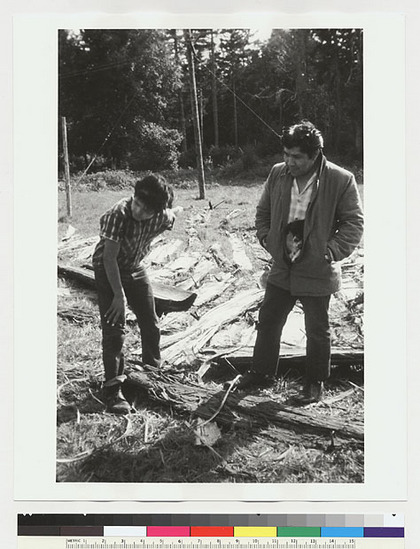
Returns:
(344, 532)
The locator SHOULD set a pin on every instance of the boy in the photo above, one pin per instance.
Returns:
(126, 232)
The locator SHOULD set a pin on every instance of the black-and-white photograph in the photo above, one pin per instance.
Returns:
(210, 256)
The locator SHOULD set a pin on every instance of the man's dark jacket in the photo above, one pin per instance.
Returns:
(333, 226)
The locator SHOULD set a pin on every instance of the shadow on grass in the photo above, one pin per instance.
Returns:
(173, 458)
(250, 450)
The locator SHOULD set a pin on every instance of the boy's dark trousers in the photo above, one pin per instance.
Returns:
(139, 294)
(275, 308)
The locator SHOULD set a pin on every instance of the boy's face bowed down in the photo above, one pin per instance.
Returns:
(140, 211)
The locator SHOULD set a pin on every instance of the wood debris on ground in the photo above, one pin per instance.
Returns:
(209, 312)
(256, 410)
(221, 294)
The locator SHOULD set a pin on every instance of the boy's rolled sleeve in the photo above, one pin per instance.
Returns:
(168, 220)
(112, 226)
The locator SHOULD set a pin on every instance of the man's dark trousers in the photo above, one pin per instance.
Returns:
(139, 294)
(275, 308)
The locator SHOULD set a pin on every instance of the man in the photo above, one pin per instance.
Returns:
(126, 232)
(309, 218)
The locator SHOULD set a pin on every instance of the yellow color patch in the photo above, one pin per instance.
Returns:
(255, 531)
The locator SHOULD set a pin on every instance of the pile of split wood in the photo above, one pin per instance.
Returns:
(208, 302)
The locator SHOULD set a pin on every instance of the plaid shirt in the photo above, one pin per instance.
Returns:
(299, 201)
(117, 224)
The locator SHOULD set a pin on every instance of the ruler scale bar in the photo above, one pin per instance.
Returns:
(59, 542)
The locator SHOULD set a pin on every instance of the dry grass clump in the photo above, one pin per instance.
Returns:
(154, 444)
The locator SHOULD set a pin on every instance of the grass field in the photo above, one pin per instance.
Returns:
(155, 443)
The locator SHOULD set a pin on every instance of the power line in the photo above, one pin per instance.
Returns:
(98, 69)
(239, 98)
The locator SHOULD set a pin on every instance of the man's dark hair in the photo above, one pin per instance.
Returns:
(155, 192)
(305, 136)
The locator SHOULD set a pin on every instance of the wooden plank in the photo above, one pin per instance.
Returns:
(79, 274)
(188, 343)
(339, 357)
(240, 258)
(220, 258)
(163, 253)
(253, 411)
(202, 269)
(168, 298)
(213, 289)
(185, 262)
(233, 336)
(72, 244)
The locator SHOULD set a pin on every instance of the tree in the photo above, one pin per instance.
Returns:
(214, 92)
(315, 74)
(177, 37)
(234, 54)
(116, 83)
(108, 80)
(338, 63)
(194, 104)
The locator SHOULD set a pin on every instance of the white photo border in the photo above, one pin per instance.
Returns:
(35, 233)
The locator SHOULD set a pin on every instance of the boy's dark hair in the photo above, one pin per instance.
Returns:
(155, 192)
(305, 136)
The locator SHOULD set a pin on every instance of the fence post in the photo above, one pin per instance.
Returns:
(66, 165)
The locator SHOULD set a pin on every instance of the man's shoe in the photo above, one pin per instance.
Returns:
(116, 403)
(252, 380)
(313, 391)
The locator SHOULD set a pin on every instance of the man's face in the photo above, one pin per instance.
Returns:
(140, 210)
(299, 163)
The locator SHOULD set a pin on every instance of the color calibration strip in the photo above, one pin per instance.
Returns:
(219, 526)
(256, 532)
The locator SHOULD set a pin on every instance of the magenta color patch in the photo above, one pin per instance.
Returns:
(168, 531)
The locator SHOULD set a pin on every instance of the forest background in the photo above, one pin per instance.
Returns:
(126, 96)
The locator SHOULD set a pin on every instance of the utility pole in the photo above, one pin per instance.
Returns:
(235, 113)
(66, 165)
(214, 93)
(196, 118)
(180, 96)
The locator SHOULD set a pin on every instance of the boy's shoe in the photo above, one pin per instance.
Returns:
(313, 391)
(253, 379)
(116, 403)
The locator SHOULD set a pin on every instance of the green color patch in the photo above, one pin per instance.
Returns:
(302, 532)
